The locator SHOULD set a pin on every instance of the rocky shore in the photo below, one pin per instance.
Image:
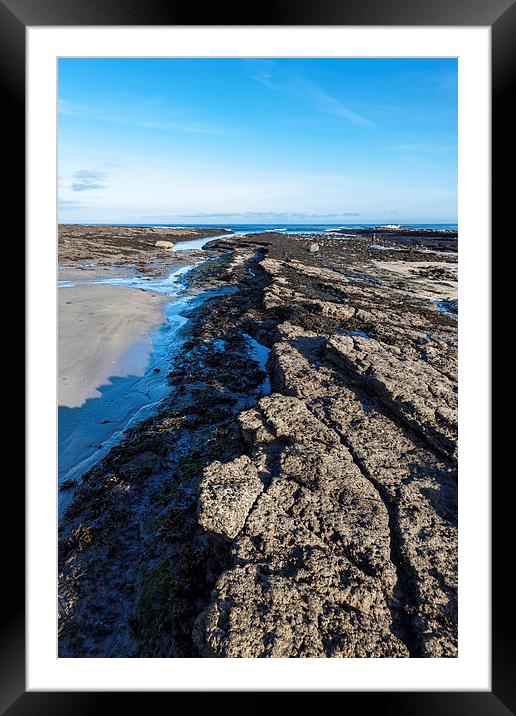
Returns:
(302, 506)
(140, 246)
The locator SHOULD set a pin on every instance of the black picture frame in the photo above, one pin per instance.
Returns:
(500, 15)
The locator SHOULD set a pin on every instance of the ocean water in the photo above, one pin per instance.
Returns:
(293, 228)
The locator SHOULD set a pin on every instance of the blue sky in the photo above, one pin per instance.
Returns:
(257, 140)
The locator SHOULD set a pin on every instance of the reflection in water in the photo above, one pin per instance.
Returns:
(448, 306)
(260, 354)
(196, 244)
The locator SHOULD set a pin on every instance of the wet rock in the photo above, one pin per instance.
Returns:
(133, 245)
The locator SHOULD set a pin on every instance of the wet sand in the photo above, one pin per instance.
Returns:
(419, 275)
(104, 331)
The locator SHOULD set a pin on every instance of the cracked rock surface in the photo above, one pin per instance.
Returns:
(319, 520)
(312, 574)
(227, 494)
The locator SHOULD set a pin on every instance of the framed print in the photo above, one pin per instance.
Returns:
(258, 353)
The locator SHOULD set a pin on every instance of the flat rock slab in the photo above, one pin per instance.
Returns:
(412, 389)
(311, 574)
(227, 494)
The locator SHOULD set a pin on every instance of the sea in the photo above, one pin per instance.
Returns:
(290, 228)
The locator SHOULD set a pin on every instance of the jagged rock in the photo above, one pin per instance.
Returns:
(419, 490)
(227, 493)
(319, 540)
(415, 391)
(133, 245)
(325, 522)
(316, 605)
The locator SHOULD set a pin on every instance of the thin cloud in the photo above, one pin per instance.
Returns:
(266, 73)
(262, 71)
(423, 155)
(272, 215)
(324, 102)
(423, 148)
(123, 115)
(69, 204)
(87, 179)
(449, 80)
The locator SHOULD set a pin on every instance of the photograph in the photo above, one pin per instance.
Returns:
(257, 357)
(260, 447)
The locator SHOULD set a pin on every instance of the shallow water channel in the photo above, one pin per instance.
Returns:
(88, 432)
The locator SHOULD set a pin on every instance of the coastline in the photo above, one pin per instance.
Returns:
(119, 326)
(327, 479)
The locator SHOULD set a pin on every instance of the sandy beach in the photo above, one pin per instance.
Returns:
(104, 331)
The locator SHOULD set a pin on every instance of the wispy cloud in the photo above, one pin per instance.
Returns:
(423, 148)
(69, 204)
(87, 179)
(423, 155)
(262, 71)
(324, 102)
(133, 116)
(267, 73)
(449, 80)
(252, 215)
